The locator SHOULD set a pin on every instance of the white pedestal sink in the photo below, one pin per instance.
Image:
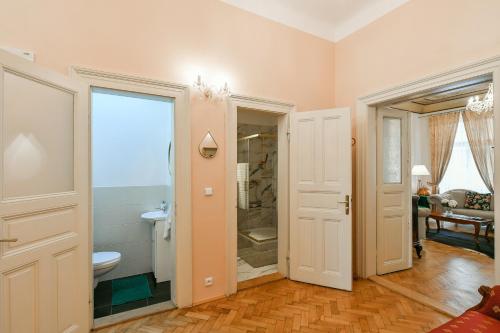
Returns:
(160, 245)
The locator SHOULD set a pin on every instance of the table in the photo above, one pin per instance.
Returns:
(462, 219)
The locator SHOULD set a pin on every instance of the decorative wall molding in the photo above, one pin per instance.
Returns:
(98, 74)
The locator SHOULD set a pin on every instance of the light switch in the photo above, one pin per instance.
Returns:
(209, 191)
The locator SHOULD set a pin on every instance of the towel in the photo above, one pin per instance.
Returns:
(242, 181)
(168, 222)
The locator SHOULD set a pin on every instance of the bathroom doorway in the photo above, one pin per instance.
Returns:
(132, 200)
(257, 181)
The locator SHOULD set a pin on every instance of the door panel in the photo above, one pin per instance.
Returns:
(44, 247)
(393, 191)
(320, 175)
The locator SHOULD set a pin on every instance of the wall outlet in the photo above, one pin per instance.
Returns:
(209, 281)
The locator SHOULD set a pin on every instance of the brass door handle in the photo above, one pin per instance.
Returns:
(347, 203)
(8, 240)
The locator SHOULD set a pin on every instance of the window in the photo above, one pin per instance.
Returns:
(462, 172)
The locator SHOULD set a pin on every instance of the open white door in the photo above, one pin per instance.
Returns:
(320, 191)
(393, 191)
(44, 247)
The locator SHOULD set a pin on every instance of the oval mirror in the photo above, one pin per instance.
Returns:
(208, 147)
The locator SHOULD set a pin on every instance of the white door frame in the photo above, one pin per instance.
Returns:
(366, 154)
(264, 105)
(182, 286)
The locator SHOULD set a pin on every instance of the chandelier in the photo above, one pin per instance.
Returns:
(476, 105)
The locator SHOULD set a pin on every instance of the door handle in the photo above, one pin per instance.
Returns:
(347, 203)
(8, 240)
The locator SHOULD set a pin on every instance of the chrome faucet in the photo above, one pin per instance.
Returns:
(163, 206)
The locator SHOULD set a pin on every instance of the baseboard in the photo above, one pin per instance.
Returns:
(208, 300)
(416, 296)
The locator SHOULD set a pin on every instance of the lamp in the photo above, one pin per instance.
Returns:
(485, 105)
(420, 170)
(211, 92)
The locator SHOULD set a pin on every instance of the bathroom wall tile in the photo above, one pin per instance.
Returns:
(118, 226)
(262, 157)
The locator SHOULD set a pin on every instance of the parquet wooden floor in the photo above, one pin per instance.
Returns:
(447, 274)
(287, 306)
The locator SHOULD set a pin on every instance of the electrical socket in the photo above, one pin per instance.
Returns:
(209, 281)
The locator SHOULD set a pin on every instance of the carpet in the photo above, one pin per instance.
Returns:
(462, 239)
(130, 288)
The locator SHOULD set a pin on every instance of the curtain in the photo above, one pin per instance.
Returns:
(479, 129)
(442, 130)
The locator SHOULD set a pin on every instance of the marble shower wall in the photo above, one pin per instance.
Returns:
(262, 155)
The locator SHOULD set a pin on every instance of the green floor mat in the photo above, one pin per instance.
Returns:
(131, 288)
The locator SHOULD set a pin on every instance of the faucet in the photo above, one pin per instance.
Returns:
(163, 206)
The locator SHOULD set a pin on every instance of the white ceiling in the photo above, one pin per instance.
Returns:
(329, 19)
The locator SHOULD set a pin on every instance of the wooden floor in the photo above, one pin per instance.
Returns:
(447, 274)
(286, 306)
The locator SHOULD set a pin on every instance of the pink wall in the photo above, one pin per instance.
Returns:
(174, 41)
(420, 38)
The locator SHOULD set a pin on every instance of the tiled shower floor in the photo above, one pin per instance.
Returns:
(247, 272)
(103, 295)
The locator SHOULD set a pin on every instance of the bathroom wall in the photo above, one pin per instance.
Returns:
(261, 154)
(131, 136)
(118, 226)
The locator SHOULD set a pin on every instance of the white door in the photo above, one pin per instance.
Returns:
(320, 192)
(44, 247)
(393, 191)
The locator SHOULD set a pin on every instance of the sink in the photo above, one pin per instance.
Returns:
(152, 217)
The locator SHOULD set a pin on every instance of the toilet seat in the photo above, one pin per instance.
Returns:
(101, 260)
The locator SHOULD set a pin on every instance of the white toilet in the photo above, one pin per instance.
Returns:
(103, 263)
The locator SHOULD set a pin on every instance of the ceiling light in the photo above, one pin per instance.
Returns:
(476, 105)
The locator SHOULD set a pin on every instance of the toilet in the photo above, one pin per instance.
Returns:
(104, 262)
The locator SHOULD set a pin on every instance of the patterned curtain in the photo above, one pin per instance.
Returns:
(442, 128)
(479, 129)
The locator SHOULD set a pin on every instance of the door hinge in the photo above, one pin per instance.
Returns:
(288, 135)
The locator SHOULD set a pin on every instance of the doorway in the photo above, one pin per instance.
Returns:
(179, 155)
(429, 114)
(133, 199)
(257, 181)
(254, 122)
(313, 198)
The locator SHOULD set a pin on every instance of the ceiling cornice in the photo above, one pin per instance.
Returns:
(332, 31)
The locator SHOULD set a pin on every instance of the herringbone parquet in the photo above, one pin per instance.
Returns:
(450, 275)
(287, 306)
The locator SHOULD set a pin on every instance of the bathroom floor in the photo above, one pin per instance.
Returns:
(247, 272)
(103, 297)
(258, 258)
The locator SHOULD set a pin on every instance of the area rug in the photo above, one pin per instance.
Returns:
(130, 288)
(462, 239)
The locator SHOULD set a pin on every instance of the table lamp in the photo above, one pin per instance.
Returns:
(421, 170)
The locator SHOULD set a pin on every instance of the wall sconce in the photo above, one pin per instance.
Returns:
(211, 92)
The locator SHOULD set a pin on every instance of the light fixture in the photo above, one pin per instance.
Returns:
(476, 105)
(211, 92)
(420, 170)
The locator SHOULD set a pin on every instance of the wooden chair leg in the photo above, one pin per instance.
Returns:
(488, 228)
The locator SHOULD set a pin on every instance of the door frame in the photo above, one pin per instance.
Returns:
(366, 247)
(182, 286)
(264, 105)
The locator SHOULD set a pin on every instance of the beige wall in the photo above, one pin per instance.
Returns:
(174, 41)
(420, 38)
